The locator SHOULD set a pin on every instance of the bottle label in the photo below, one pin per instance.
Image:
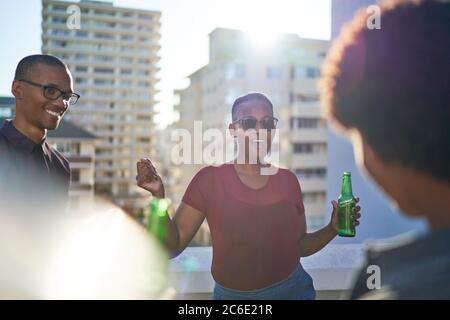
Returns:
(345, 220)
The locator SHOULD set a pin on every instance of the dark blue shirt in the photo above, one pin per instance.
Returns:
(35, 175)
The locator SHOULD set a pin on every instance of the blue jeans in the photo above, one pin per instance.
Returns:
(298, 286)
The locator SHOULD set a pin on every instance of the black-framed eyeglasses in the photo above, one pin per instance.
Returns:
(53, 93)
(266, 123)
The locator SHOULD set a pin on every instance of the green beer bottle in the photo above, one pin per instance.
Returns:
(157, 219)
(346, 202)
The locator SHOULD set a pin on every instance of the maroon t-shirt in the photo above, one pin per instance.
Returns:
(254, 231)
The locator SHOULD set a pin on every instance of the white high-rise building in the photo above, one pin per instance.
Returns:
(113, 56)
(287, 72)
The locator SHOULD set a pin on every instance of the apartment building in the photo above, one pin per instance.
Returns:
(287, 72)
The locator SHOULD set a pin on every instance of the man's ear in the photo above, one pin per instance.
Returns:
(17, 89)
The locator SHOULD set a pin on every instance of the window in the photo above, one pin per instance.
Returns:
(103, 82)
(5, 112)
(58, 20)
(126, 60)
(81, 57)
(123, 188)
(143, 72)
(69, 148)
(104, 13)
(145, 17)
(104, 58)
(59, 8)
(81, 80)
(126, 83)
(61, 44)
(309, 173)
(309, 148)
(303, 148)
(305, 123)
(125, 71)
(302, 72)
(144, 118)
(127, 26)
(303, 97)
(315, 196)
(273, 73)
(126, 37)
(82, 34)
(75, 175)
(81, 69)
(143, 84)
(312, 72)
(307, 97)
(104, 70)
(58, 32)
(106, 36)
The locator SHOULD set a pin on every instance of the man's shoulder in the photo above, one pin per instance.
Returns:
(411, 267)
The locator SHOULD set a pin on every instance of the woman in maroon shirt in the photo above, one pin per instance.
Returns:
(257, 221)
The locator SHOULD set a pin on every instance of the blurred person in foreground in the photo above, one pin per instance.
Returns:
(97, 253)
(389, 91)
(31, 171)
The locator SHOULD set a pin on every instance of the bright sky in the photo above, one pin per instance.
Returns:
(185, 28)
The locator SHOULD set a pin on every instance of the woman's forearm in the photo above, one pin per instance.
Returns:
(172, 239)
(311, 243)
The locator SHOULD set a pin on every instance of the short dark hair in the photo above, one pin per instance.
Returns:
(252, 96)
(393, 84)
(29, 63)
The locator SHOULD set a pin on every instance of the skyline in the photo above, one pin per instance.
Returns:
(184, 41)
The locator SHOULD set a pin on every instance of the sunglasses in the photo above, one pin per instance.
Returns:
(266, 123)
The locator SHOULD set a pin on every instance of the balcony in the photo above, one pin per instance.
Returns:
(309, 160)
(306, 109)
(154, 23)
(46, 48)
(308, 135)
(313, 184)
(332, 269)
(78, 186)
(116, 29)
(117, 43)
(80, 158)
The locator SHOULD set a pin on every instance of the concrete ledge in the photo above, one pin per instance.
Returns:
(332, 269)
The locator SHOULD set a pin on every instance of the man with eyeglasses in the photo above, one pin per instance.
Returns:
(31, 171)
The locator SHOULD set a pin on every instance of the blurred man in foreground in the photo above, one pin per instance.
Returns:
(388, 89)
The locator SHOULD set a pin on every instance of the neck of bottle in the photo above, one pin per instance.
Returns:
(347, 185)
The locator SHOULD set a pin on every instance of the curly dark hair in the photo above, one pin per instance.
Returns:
(393, 84)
